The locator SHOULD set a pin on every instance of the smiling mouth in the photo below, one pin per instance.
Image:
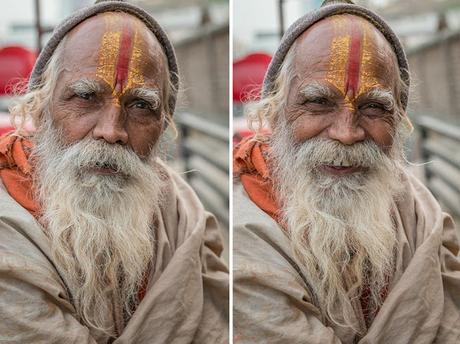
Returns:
(342, 169)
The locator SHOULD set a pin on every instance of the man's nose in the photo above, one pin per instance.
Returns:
(110, 125)
(346, 128)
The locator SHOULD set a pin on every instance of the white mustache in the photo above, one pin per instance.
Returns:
(318, 151)
(90, 153)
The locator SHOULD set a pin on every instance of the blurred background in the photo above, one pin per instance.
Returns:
(430, 33)
(199, 32)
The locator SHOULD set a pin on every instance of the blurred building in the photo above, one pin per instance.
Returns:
(420, 21)
(430, 31)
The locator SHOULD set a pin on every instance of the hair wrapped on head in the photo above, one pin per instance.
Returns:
(98, 1)
(331, 2)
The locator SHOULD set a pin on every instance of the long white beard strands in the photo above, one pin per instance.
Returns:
(341, 228)
(100, 226)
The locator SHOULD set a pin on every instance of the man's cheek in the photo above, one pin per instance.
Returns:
(74, 125)
(145, 139)
(307, 126)
(293, 112)
(381, 132)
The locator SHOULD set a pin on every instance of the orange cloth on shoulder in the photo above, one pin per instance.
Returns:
(16, 170)
(250, 165)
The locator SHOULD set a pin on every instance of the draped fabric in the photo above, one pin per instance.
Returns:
(185, 294)
(274, 303)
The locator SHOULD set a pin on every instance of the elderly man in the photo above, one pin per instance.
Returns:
(100, 242)
(335, 241)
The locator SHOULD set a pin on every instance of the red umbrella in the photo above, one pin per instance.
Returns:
(248, 75)
(16, 64)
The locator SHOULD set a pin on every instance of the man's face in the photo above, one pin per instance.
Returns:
(98, 149)
(343, 85)
(336, 165)
(112, 85)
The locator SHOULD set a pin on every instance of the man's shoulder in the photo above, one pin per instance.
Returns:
(266, 277)
(417, 209)
(260, 246)
(414, 189)
(180, 213)
(175, 187)
(16, 221)
(252, 223)
(24, 248)
(178, 201)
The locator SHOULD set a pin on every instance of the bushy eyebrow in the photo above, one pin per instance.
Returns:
(150, 95)
(317, 90)
(382, 96)
(85, 86)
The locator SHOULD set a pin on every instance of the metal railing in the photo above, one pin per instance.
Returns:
(440, 147)
(203, 146)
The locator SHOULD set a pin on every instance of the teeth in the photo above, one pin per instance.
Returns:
(341, 163)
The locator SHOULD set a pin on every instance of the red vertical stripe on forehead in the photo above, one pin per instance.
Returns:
(126, 48)
(354, 57)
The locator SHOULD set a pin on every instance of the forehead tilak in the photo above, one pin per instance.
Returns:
(351, 56)
(120, 54)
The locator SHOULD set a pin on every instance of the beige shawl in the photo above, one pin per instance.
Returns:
(273, 304)
(187, 293)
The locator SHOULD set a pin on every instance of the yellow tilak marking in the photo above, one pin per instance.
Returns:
(367, 78)
(108, 55)
(135, 76)
(339, 54)
(338, 63)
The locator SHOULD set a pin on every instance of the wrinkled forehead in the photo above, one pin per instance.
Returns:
(113, 44)
(345, 49)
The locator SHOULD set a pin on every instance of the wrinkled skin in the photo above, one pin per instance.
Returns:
(348, 57)
(119, 54)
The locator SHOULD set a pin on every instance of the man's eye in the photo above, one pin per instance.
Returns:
(373, 109)
(141, 104)
(374, 106)
(86, 95)
(318, 101)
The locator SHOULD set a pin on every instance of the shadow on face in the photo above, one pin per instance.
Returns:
(344, 83)
(112, 84)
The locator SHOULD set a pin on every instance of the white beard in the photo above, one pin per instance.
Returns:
(340, 227)
(100, 226)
